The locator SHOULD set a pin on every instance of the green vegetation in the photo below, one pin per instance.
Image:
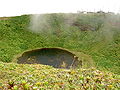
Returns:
(34, 77)
(96, 35)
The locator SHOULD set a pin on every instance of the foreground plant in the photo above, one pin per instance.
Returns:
(41, 77)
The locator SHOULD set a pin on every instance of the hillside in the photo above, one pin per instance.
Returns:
(97, 35)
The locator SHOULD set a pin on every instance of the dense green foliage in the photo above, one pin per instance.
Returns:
(42, 77)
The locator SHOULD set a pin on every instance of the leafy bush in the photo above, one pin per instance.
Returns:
(33, 77)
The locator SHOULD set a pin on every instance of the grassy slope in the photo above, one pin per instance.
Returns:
(15, 38)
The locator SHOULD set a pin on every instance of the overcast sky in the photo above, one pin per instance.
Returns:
(19, 7)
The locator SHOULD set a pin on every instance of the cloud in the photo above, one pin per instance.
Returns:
(18, 7)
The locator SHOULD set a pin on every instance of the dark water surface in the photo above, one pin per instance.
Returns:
(55, 57)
